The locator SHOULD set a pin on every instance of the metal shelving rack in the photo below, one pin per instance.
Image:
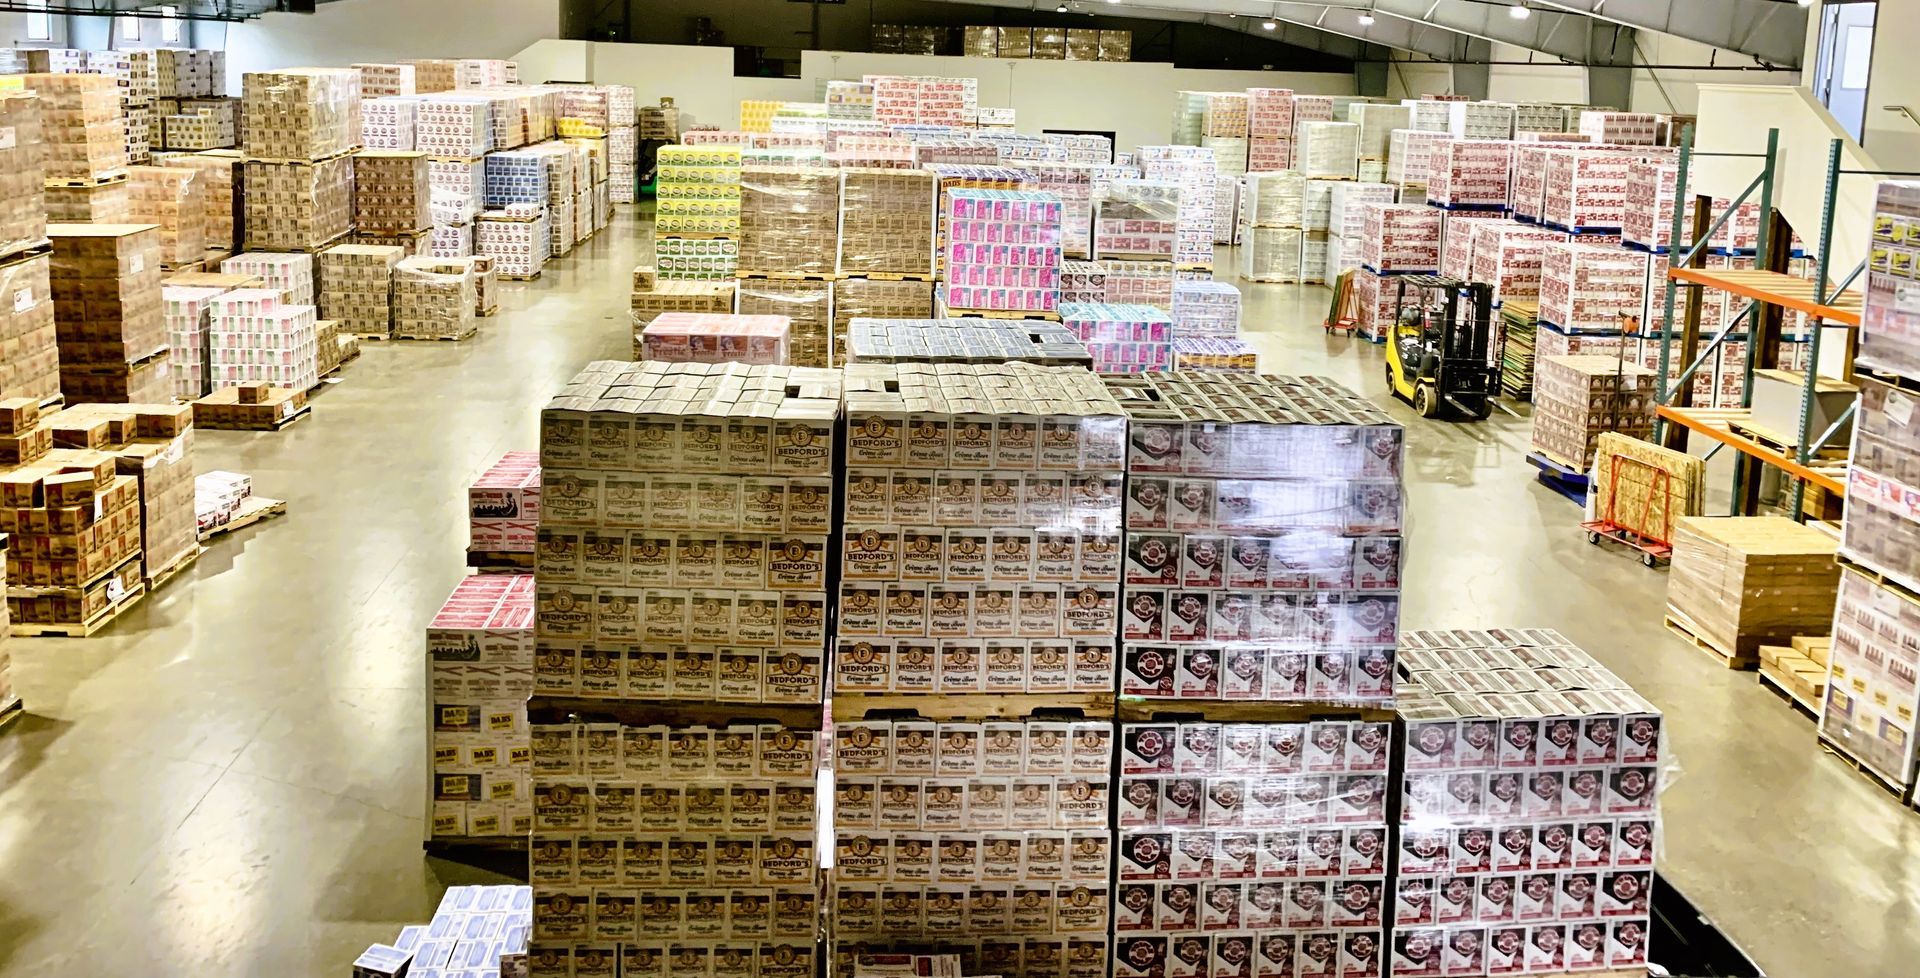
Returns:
(1767, 288)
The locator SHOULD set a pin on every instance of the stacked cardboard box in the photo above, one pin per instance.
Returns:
(807, 304)
(1528, 843)
(1587, 187)
(1889, 327)
(1193, 170)
(1871, 701)
(503, 507)
(258, 337)
(356, 287)
(174, 199)
(1142, 282)
(1136, 219)
(789, 220)
(254, 407)
(473, 923)
(1738, 582)
(1399, 238)
(458, 127)
(388, 123)
(1470, 173)
(652, 297)
(9, 699)
(1621, 128)
(297, 206)
(1327, 150)
(1269, 129)
(1578, 396)
(301, 114)
(691, 337)
(1122, 338)
(860, 298)
(189, 313)
(961, 341)
(517, 239)
(391, 192)
(1192, 557)
(106, 291)
(1205, 308)
(433, 298)
(1019, 271)
(480, 667)
(153, 443)
(710, 594)
(1507, 255)
(432, 75)
(699, 189)
(73, 528)
(1410, 161)
(1589, 288)
(1882, 523)
(83, 129)
(28, 351)
(201, 124)
(701, 259)
(290, 275)
(380, 80)
(221, 180)
(981, 557)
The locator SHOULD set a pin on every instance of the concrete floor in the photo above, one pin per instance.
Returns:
(229, 781)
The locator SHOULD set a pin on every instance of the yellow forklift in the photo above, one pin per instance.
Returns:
(1440, 355)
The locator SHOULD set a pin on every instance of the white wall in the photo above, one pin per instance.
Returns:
(1654, 90)
(1891, 137)
(1133, 99)
(382, 30)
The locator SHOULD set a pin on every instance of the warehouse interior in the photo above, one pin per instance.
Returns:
(391, 251)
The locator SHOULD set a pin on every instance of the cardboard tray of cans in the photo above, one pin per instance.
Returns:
(480, 668)
(887, 222)
(878, 340)
(1263, 540)
(503, 506)
(1530, 808)
(230, 408)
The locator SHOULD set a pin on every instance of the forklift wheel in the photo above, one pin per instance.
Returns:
(1426, 402)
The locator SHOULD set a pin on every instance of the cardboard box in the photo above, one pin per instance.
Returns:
(297, 206)
(301, 114)
(356, 287)
(1740, 582)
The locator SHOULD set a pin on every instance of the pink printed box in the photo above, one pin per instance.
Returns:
(1589, 288)
(503, 505)
(696, 337)
(1470, 173)
(1400, 238)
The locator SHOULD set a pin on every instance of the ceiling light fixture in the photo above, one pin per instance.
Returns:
(1519, 11)
(1267, 25)
(1804, 3)
(1060, 9)
(1366, 18)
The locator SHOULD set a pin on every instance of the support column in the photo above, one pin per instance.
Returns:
(1610, 65)
(1370, 78)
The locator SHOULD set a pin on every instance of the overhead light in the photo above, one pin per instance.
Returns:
(1060, 9)
(1267, 25)
(1804, 3)
(1519, 11)
(1366, 18)
(1113, 1)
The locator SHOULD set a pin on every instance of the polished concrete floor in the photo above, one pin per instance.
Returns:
(230, 780)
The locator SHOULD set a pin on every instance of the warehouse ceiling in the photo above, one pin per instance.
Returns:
(225, 10)
(1575, 31)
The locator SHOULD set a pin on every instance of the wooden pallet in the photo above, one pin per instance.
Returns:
(11, 712)
(945, 706)
(441, 845)
(289, 161)
(305, 409)
(165, 574)
(543, 708)
(97, 180)
(371, 337)
(1770, 681)
(789, 276)
(252, 510)
(697, 235)
(500, 562)
(511, 277)
(86, 628)
(1139, 709)
(1873, 777)
(26, 252)
(894, 276)
(1050, 317)
(469, 334)
(303, 249)
(1732, 660)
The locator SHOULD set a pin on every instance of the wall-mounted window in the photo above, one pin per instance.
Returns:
(39, 23)
(129, 28)
(169, 23)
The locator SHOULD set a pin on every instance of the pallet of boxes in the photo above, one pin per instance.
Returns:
(651, 297)
(974, 656)
(1739, 583)
(433, 299)
(29, 343)
(84, 140)
(107, 306)
(154, 444)
(302, 130)
(74, 560)
(678, 668)
(263, 345)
